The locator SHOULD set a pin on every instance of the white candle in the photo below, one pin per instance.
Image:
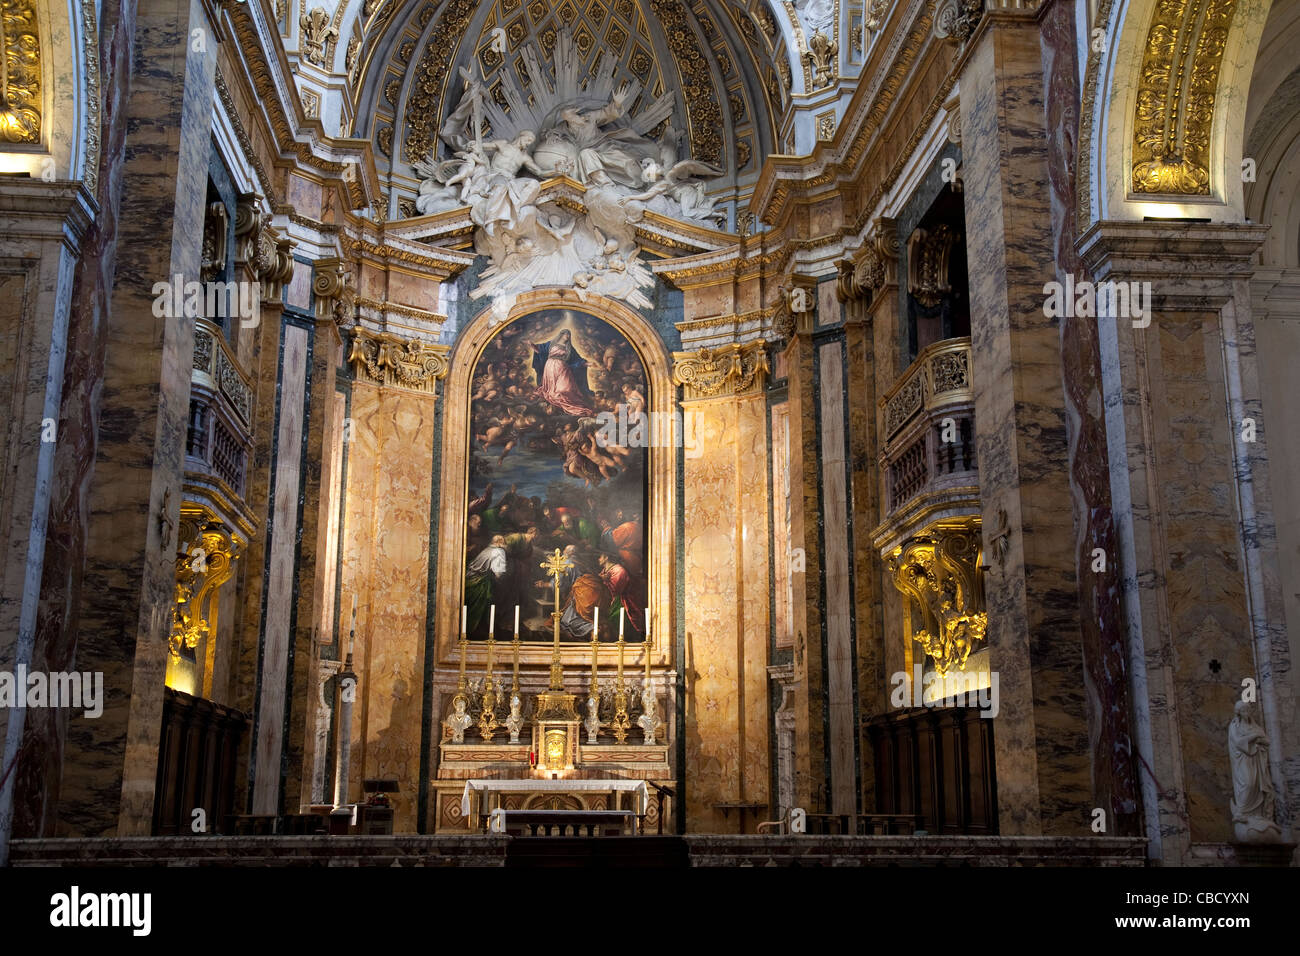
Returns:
(647, 624)
(492, 619)
(464, 617)
(516, 620)
(595, 624)
(620, 624)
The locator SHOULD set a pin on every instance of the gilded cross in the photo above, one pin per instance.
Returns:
(555, 565)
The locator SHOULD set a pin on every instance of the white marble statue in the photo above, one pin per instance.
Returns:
(649, 720)
(515, 722)
(459, 721)
(592, 722)
(816, 15)
(1252, 785)
(576, 123)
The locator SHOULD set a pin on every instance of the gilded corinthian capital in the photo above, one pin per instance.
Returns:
(735, 369)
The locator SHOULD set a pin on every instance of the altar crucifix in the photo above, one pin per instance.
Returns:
(555, 565)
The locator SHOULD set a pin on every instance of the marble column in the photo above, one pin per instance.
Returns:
(1041, 732)
(129, 578)
(1189, 478)
(43, 225)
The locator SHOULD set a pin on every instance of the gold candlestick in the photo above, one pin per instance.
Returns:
(514, 688)
(621, 719)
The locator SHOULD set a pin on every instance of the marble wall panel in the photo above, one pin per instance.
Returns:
(727, 614)
(386, 564)
(710, 549)
(755, 604)
(1205, 588)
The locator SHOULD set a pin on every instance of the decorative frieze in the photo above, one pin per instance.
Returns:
(382, 358)
(735, 369)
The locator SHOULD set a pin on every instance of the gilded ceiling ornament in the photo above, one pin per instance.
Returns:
(702, 109)
(821, 57)
(350, 59)
(728, 370)
(316, 32)
(20, 80)
(1176, 93)
(876, 11)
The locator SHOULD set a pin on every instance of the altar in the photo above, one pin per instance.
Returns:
(481, 797)
(571, 745)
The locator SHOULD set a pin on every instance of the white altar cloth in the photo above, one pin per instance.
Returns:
(555, 786)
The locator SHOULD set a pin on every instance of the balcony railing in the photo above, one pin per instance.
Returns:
(221, 409)
(927, 424)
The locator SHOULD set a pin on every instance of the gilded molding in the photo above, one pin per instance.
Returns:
(20, 80)
(405, 311)
(728, 370)
(382, 358)
(1177, 84)
(91, 28)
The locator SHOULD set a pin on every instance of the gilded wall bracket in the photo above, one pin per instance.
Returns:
(939, 575)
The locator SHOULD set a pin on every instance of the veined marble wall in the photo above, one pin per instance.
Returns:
(386, 564)
(726, 613)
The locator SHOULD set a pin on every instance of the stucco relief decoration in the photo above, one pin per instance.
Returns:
(1175, 97)
(317, 31)
(20, 81)
(572, 125)
(816, 15)
(821, 57)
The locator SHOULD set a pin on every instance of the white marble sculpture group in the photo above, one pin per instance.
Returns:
(563, 127)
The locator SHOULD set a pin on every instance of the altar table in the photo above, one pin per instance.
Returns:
(486, 787)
